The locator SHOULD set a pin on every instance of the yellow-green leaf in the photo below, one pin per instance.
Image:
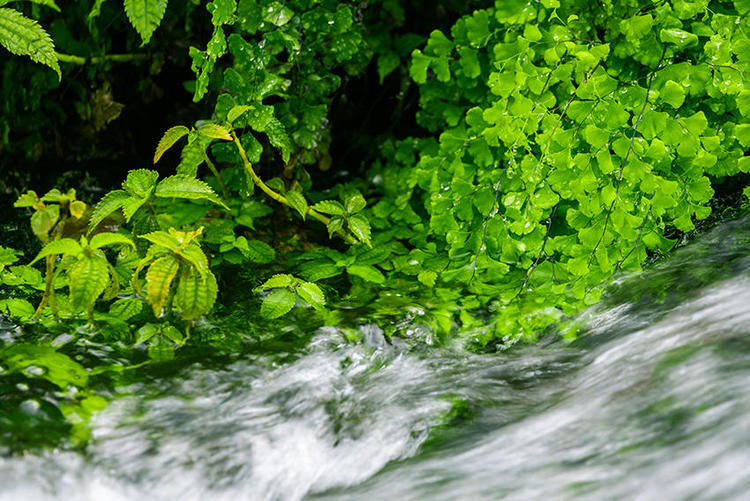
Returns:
(87, 279)
(170, 137)
(159, 279)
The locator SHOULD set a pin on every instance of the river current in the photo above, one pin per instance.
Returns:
(651, 402)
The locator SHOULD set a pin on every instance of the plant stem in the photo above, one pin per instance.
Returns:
(114, 58)
(279, 197)
(216, 174)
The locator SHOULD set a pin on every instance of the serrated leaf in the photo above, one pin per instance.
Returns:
(194, 255)
(145, 16)
(159, 279)
(319, 270)
(214, 131)
(278, 280)
(146, 332)
(106, 239)
(312, 294)
(162, 239)
(365, 272)
(355, 202)
(140, 182)
(277, 303)
(257, 251)
(335, 224)
(110, 203)
(64, 246)
(170, 137)
(87, 279)
(360, 228)
(279, 138)
(131, 206)
(331, 207)
(237, 111)
(195, 295)
(25, 37)
(298, 202)
(126, 308)
(180, 186)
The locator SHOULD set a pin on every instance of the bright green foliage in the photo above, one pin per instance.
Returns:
(145, 16)
(288, 50)
(139, 189)
(565, 151)
(170, 137)
(57, 368)
(87, 269)
(23, 36)
(178, 274)
(283, 293)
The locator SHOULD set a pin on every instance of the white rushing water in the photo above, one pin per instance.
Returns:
(652, 403)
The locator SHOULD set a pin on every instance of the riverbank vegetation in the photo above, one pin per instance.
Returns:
(480, 169)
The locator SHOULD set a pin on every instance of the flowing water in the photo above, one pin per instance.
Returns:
(652, 402)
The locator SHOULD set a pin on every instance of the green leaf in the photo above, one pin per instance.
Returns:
(195, 295)
(131, 206)
(43, 220)
(335, 224)
(279, 280)
(140, 182)
(297, 201)
(159, 279)
(17, 308)
(163, 239)
(8, 256)
(365, 272)
(106, 239)
(64, 246)
(87, 279)
(146, 332)
(214, 131)
(58, 369)
(427, 277)
(257, 251)
(360, 228)
(277, 303)
(180, 186)
(742, 133)
(126, 308)
(145, 16)
(170, 137)
(418, 67)
(331, 207)
(238, 111)
(438, 44)
(355, 202)
(110, 203)
(673, 94)
(312, 294)
(24, 37)
(28, 199)
(680, 38)
(279, 139)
